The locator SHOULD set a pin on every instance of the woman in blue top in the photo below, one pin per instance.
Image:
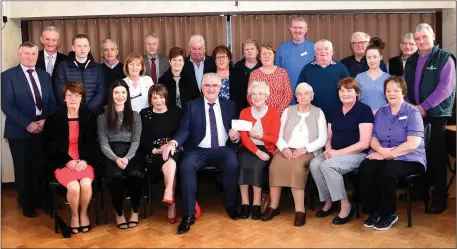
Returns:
(372, 81)
(397, 151)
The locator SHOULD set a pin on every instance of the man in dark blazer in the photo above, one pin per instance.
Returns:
(206, 134)
(156, 65)
(198, 62)
(49, 58)
(27, 99)
(408, 47)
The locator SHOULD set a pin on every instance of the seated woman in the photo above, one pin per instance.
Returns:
(258, 146)
(119, 131)
(349, 134)
(303, 135)
(160, 121)
(397, 151)
(71, 148)
(179, 80)
(138, 82)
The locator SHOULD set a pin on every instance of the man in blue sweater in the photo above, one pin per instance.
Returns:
(294, 54)
(323, 75)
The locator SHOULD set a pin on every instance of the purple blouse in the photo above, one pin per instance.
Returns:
(392, 131)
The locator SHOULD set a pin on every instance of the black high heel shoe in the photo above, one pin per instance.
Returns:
(85, 229)
(340, 221)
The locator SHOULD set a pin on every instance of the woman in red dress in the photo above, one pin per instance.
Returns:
(71, 148)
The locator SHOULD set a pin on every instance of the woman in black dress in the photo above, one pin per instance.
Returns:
(160, 122)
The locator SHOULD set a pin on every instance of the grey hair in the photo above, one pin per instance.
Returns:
(109, 40)
(422, 26)
(304, 86)
(153, 35)
(407, 35)
(260, 84)
(196, 38)
(27, 44)
(298, 19)
(324, 41)
(51, 28)
(212, 76)
(359, 33)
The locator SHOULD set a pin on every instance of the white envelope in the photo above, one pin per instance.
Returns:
(241, 125)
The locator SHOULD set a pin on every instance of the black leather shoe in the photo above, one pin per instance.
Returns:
(245, 211)
(437, 206)
(233, 213)
(340, 221)
(321, 213)
(187, 221)
(256, 212)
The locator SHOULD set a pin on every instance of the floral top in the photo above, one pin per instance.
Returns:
(225, 88)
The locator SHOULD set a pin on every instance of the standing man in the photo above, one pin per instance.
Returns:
(208, 138)
(49, 58)
(156, 65)
(81, 66)
(294, 54)
(198, 62)
(112, 68)
(357, 63)
(408, 47)
(27, 100)
(323, 76)
(430, 76)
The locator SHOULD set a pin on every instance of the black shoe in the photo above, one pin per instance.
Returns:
(256, 212)
(437, 206)
(372, 219)
(340, 221)
(187, 221)
(386, 223)
(30, 214)
(321, 213)
(245, 211)
(233, 213)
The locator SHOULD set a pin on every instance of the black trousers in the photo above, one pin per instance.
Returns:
(28, 159)
(437, 157)
(117, 187)
(378, 182)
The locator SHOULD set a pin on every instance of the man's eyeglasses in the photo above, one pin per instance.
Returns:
(359, 43)
(136, 96)
(211, 86)
(410, 43)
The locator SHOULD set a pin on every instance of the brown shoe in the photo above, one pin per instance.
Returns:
(269, 213)
(300, 219)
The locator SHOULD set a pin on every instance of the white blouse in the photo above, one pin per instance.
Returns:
(139, 95)
(300, 135)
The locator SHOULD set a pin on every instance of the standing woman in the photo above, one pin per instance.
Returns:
(137, 81)
(71, 148)
(119, 131)
(258, 147)
(371, 82)
(160, 122)
(179, 80)
(276, 78)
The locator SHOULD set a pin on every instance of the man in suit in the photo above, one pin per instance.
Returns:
(206, 134)
(27, 99)
(408, 47)
(49, 58)
(198, 62)
(156, 65)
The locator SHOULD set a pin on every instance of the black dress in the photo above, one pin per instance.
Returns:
(158, 128)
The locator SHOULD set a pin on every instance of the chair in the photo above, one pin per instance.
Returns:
(450, 144)
(54, 209)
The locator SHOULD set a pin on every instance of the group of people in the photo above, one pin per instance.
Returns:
(73, 119)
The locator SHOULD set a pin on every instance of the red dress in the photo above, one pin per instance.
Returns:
(65, 174)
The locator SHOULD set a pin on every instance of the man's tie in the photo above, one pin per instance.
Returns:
(153, 70)
(50, 66)
(36, 92)
(213, 127)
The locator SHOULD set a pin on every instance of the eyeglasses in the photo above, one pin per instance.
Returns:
(410, 43)
(220, 58)
(359, 43)
(211, 86)
(136, 96)
(258, 94)
(73, 96)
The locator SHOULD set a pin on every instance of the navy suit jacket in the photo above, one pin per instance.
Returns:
(18, 103)
(193, 123)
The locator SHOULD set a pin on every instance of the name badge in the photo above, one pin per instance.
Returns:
(304, 53)
(401, 118)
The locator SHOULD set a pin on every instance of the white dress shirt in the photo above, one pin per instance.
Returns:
(199, 72)
(53, 59)
(139, 95)
(222, 134)
(300, 134)
(38, 84)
